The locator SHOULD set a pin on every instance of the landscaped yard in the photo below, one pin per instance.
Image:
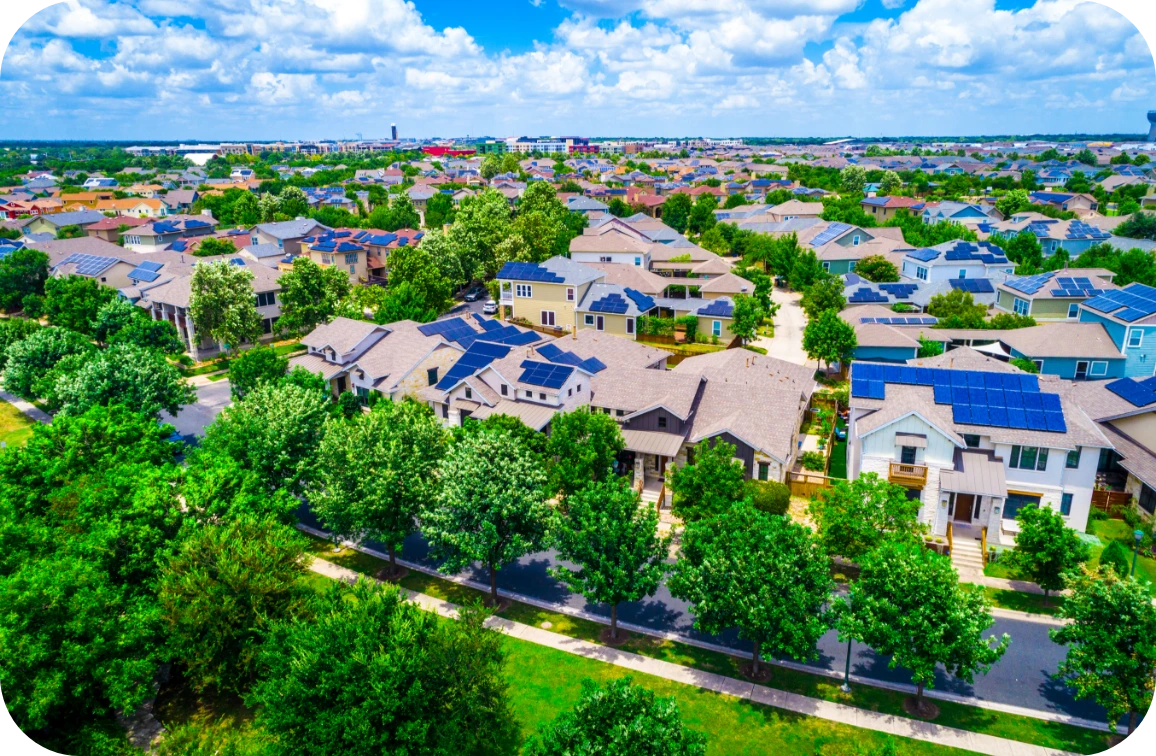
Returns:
(15, 426)
(283, 349)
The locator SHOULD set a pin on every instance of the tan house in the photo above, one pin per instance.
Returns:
(546, 293)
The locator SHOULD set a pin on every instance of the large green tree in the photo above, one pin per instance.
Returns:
(825, 294)
(222, 305)
(1111, 640)
(122, 374)
(1046, 548)
(437, 687)
(31, 360)
(676, 211)
(619, 718)
(701, 218)
(908, 605)
(309, 295)
(747, 316)
(614, 543)
(482, 222)
(877, 268)
(805, 270)
(377, 471)
(763, 574)
(73, 302)
(413, 266)
(829, 339)
(582, 448)
(711, 484)
(22, 272)
(13, 330)
(255, 366)
(853, 517)
(957, 307)
(491, 507)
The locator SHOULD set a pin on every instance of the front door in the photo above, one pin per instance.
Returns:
(964, 504)
(340, 384)
(1082, 370)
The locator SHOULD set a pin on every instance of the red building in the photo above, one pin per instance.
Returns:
(447, 152)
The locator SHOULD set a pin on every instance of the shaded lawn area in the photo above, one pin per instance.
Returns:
(1026, 729)
(212, 366)
(15, 426)
(1024, 602)
(1106, 531)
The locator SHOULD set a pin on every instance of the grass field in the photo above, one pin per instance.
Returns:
(15, 426)
(1106, 530)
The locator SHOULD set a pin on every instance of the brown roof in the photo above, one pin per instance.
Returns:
(342, 335)
(1062, 340)
(632, 276)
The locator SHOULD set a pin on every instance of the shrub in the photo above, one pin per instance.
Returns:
(813, 461)
(690, 323)
(1098, 514)
(769, 496)
(1116, 557)
(1131, 516)
(1025, 365)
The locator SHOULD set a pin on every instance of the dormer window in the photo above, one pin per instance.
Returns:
(469, 393)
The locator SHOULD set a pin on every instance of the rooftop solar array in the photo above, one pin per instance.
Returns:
(1075, 287)
(479, 355)
(999, 400)
(519, 271)
(545, 374)
(865, 295)
(89, 265)
(1079, 230)
(1029, 284)
(1138, 393)
(560, 357)
(901, 321)
(641, 301)
(973, 285)
(899, 290)
(976, 251)
(612, 304)
(1128, 304)
(719, 308)
(831, 233)
(150, 265)
(457, 330)
(143, 274)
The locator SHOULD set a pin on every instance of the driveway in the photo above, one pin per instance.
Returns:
(211, 399)
(789, 324)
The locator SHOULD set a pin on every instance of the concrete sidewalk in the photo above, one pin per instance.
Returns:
(31, 410)
(835, 712)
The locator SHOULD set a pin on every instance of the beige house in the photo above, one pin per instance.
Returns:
(546, 293)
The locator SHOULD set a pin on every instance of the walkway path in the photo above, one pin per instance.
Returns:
(31, 410)
(835, 712)
(789, 324)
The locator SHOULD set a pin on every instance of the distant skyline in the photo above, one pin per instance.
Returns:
(311, 69)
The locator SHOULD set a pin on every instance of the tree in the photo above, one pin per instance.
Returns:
(877, 268)
(261, 364)
(293, 202)
(783, 254)
(854, 517)
(615, 544)
(210, 246)
(437, 686)
(377, 471)
(1139, 226)
(1046, 549)
(73, 302)
(491, 166)
(908, 605)
(144, 332)
(764, 574)
(676, 211)
(890, 182)
(246, 210)
(112, 317)
(825, 294)
(769, 496)
(222, 305)
(929, 348)
(582, 448)
(22, 272)
(413, 265)
(852, 179)
(710, 485)
(399, 213)
(439, 210)
(701, 216)
(619, 718)
(1024, 364)
(491, 507)
(746, 318)
(957, 306)
(805, 271)
(1024, 250)
(31, 360)
(309, 295)
(1111, 641)
(70, 232)
(829, 339)
(735, 200)
(13, 330)
(482, 223)
(122, 374)
(1015, 201)
(221, 591)
(1115, 556)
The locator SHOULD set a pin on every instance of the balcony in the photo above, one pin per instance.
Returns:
(912, 476)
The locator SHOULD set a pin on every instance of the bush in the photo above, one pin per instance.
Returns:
(1098, 514)
(1025, 365)
(813, 461)
(690, 323)
(1132, 517)
(1116, 557)
(769, 496)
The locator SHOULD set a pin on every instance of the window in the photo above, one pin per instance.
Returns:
(1147, 499)
(588, 320)
(504, 390)
(266, 299)
(351, 258)
(963, 272)
(619, 413)
(1028, 458)
(547, 317)
(1039, 365)
(542, 396)
(529, 394)
(638, 262)
(630, 325)
(1066, 504)
(352, 268)
(662, 421)
(855, 240)
(579, 389)
(907, 455)
(326, 259)
(523, 290)
(1135, 337)
(605, 258)
(266, 325)
(1099, 368)
(1014, 502)
(851, 265)
(569, 392)
(445, 412)
(827, 267)
(569, 293)
(1073, 310)
(716, 328)
(921, 273)
(764, 470)
(600, 322)
(971, 440)
(1073, 459)
(469, 393)
(1020, 306)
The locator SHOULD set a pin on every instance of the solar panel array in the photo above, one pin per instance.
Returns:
(1079, 230)
(451, 329)
(89, 265)
(901, 321)
(866, 295)
(1029, 284)
(1138, 393)
(519, 271)
(641, 301)
(998, 400)
(1075, 287)
(143, 274)
(719, 308)
(1128, 304)
(479, 355)
(560, 357)
(899, 290)
(545, 374)
(829, 234)
(973, 285)
(613, 304)
(924, 255)
(976, 252)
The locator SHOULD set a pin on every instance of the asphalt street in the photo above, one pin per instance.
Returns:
(190, 422)
(1021, 678)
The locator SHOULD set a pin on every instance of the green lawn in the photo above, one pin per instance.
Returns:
(15, 426)
(1106, 530)
(1026, 729)
(1024, 602)
(212, 366)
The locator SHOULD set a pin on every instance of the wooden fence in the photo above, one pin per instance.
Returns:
(1111, 502)
(806, 483)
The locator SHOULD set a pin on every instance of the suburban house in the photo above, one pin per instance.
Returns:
(53, 222)
(546, 293)
(1075, 351)
(180, 200)
(955, 212)
(612, 242)
(1073, 236)
(885, 208)
(973, 446)
(1052, 296)
(1123, 410)
(109, 229)
(840, 246)
(285, 234)
(886, 336)
(1129, 317)
(955, 260)
(167, 233)
(345, 248)
(1080, 204)
(135, 207)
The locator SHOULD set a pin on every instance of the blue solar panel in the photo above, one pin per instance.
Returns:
(641, 301)
(89, 265)
(519, 271)
(866, 295)
(1129, 304)
(719, 308)
(832, 232)
(942, 394)
(150, 265)
(545, 374)
(141, 274)
(973, 285)
(899, 290)
(1029, 284)
(613, 304)
(1137, 393)
(478, 356)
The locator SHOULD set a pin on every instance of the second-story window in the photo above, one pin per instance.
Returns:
(1073, 459)
(907, 455)
(1028, 458)
(662, 421)
(504, 389)
(523, 290)
(266, 299)
(1135, 338)
(569, 293)
(431, 375)
(971, 440)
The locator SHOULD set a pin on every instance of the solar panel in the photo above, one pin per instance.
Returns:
(899, 290)
(973, 285)
(719, 308)
(1136, 393)
(89, 265)
(641, 301)
(140, 274)
(545, 374)
(863, 295)
(829, 234)
(611, 303)
(477, 356)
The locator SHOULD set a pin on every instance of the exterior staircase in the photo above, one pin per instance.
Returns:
(967, 555)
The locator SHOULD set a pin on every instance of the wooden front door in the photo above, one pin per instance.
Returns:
(964, 504)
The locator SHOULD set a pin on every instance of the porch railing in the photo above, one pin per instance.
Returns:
(983, 544)
(908, 474)
(950, 538)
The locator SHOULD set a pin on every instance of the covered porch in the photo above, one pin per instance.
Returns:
(972, 495)
(646, 457)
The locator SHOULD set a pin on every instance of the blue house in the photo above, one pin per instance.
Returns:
(1073, 351)
(955, 212)
(1129, 317)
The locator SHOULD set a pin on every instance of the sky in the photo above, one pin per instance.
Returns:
(334, 69)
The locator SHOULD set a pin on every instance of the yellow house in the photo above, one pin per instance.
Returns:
(342, 248)
(615, 309)
(546, 293)
(135, 207)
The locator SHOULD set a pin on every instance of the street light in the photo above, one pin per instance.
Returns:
(1138, 535)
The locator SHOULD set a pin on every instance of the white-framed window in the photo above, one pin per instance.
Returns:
(1135, 338)
(1028, 458)
(716, 327)
(351, 258)
(1099, 368)
(588, 319)
(827, 266)
(569, 293)
(547, 317)
(921, 273)
(851, 265)
(1039, 365)
(469, 393)
(855, 240)
(630, 325)
(523, 290)
(1020, 306)
(1073, 310)
(638, 262)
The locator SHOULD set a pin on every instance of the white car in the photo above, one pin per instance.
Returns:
(489, 308)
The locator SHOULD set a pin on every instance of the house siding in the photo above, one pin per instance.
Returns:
(649, 422)
(1065, 367)
(886, 354)
(1140, 362)
(548, 297)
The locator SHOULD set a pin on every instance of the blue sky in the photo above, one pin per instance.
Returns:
(302, 69)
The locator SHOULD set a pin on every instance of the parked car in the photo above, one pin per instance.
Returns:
(473, 295)
(490, 308)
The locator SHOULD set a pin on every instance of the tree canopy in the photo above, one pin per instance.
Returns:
(582, 448)
(829, 339)
(710, 485)
(309, 295)
(853, 517)
(222, 305)
(1046, 548)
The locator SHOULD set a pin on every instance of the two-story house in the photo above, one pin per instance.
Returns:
(1054, 295)
(1129, 317)
(955, 260)
(546, 293)
(286, 234)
